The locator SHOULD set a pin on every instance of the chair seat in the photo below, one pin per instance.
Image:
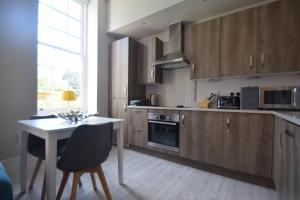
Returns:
(40, 151)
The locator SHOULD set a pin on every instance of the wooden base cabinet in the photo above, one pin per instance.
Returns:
(137, 127)
(247, 143)
(286, 173)
(201, 137)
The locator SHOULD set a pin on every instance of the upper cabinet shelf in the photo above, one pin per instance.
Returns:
(257, 41)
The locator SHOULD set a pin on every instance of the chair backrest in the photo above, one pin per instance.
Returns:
(88, 146)
(35, 142)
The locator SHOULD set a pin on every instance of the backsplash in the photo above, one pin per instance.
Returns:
(178, 89)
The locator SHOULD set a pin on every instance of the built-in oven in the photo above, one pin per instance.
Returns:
(163, 131)
(280, 98)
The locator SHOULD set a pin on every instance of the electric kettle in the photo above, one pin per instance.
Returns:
(153, 100)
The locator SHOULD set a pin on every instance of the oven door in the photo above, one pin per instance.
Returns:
(277, 98)
(164, 135)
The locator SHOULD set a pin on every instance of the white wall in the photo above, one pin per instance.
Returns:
(178, 89)
(104, 41)
(18, 70)
(122, 12)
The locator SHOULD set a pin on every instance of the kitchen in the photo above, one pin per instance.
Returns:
(220, 95)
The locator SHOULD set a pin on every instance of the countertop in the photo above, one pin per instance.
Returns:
(293, 117)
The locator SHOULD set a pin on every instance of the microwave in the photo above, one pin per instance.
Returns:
(287, 98)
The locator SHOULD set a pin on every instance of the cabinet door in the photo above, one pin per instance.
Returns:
(291, 163)
(238, 43)
(277, 152)
(137, 127)
(247, 143)
(206, 45)
(152, 50)
(119, 68)
(119, 110)
(279, 37)
(201, 136)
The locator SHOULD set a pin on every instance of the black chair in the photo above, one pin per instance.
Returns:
(36, 147)
(87, 149)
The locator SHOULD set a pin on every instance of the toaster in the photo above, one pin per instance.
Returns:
(229, 102)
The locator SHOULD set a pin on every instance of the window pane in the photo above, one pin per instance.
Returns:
(52, 57)
(48, 2)
(52, 18)
(75, 10)
(44, 87)
(52, 37)
(61, 5)
(74, 44)
(74, 27)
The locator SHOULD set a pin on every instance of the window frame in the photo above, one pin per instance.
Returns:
(83, 54)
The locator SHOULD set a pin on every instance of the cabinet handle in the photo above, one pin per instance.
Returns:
(280, 139)
(152, 73)
(125, 106)
(125, 90)
(193, 68)
(288, 133)
(251, 62)
(228, 125)
(138, 130)
(182, 120)
(262, 59)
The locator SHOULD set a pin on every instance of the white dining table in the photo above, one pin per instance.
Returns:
(55, 129)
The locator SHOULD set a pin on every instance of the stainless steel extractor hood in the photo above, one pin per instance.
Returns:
(175, 58)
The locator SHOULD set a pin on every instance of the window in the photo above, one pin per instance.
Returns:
(61, 53)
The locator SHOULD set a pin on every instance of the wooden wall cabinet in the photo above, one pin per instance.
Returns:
(248, 143)
(137, 127)
(238, 43)
(279, 37)
(152, 50)
(286, 172)
(125, 63)
(206, 57)
(201, 137)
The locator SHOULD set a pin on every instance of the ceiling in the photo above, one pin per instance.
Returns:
(188, 10)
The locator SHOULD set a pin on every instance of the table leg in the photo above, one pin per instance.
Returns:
(23, 160)
(51, 152)
(120, 143)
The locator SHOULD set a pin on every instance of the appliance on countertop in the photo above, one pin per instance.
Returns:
(249, 98)
(163, 131)
(229, 102)
(139, 102)
(285, 98)
(175, 58)
(153, 100)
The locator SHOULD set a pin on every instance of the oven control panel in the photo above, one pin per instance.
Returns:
(162, 117)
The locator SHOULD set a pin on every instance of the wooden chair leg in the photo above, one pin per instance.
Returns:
(62, 185)
(93, 180)
(43, 196)
(76, 178)
(35, 173)
(104, 183)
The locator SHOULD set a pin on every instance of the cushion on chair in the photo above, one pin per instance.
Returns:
(6, 191)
